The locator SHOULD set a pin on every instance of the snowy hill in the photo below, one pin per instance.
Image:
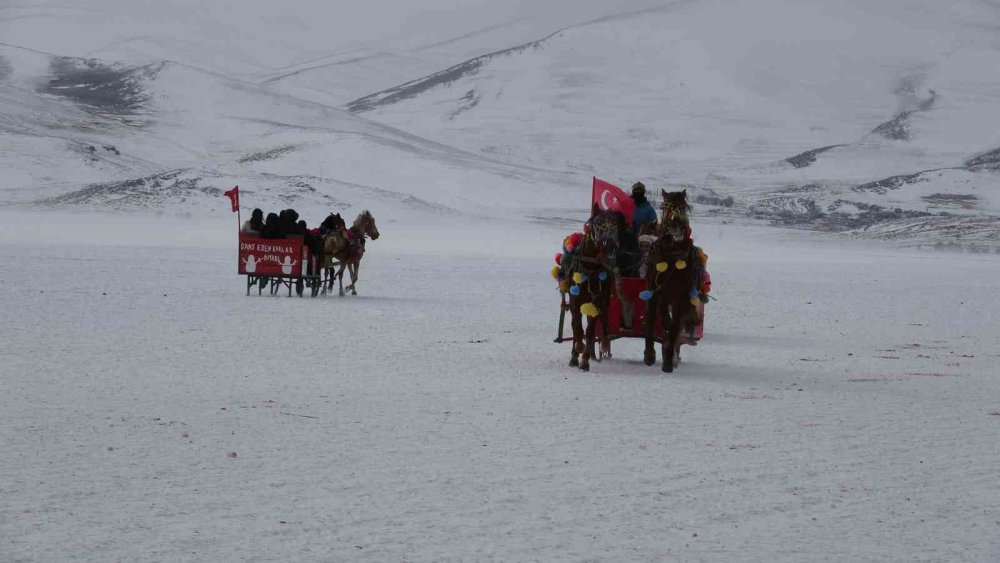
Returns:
(860, 117)
(166, 134)
(808, 113)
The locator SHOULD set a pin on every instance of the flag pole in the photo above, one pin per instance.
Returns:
(239, 225)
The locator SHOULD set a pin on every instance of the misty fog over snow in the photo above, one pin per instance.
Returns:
(843, 160)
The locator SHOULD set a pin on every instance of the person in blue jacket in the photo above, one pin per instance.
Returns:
(644, 214)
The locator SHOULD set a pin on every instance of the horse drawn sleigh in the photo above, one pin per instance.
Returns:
(284, 254)
(655, 291)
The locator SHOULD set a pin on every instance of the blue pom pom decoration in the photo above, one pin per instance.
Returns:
(645, 295)
(574, 290)
(694, 293)
(602, 276)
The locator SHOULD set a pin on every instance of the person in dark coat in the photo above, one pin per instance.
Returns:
(644, 214)
(272, 227)
(287, 221)
(255, 225)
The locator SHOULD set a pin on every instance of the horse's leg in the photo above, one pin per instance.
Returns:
(331, 271)
(576, 321)
(671, 344)
(352, 269)
(340, 276)
(588, 351)
(688, 317)
(649, 322)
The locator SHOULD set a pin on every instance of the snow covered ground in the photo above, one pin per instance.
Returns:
(843, 406)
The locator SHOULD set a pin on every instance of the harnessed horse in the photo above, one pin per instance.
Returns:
(673, 275)
(592, 271)
(344, 249)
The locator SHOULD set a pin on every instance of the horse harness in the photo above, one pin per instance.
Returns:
(604, 232)
(672, 257)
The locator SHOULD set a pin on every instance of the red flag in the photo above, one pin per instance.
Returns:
(234, 197)
(610, 196)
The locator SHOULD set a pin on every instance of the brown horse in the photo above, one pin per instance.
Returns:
(344, 249)
(592, 272)
(674, 270)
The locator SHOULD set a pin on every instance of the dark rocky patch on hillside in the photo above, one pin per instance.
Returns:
(883, 186)
(271, 154)
(6, 69)
(806, 158)
(110, 89)
(468, 101)
(447, 76)
(174, 186)
(988, 160)
(898, 128)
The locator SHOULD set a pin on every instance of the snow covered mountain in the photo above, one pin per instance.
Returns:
(858, 116)
(833, 116)
(169, 135)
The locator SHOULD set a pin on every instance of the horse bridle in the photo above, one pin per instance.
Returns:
(604, 235)
(671, 212)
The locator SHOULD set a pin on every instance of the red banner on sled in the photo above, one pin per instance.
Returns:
(609, 196)
(271, 257)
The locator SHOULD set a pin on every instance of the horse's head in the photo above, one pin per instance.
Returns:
(366, 222)
(602, 231)
(674, 214)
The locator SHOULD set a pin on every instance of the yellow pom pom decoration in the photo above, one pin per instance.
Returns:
(662, 266)
(680, 264)
(578, 277)
(589, 309)
(564, 286)
(555, 272)
(695, 301)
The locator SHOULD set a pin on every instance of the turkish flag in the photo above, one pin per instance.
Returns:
(234, 197)
(609, 196)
